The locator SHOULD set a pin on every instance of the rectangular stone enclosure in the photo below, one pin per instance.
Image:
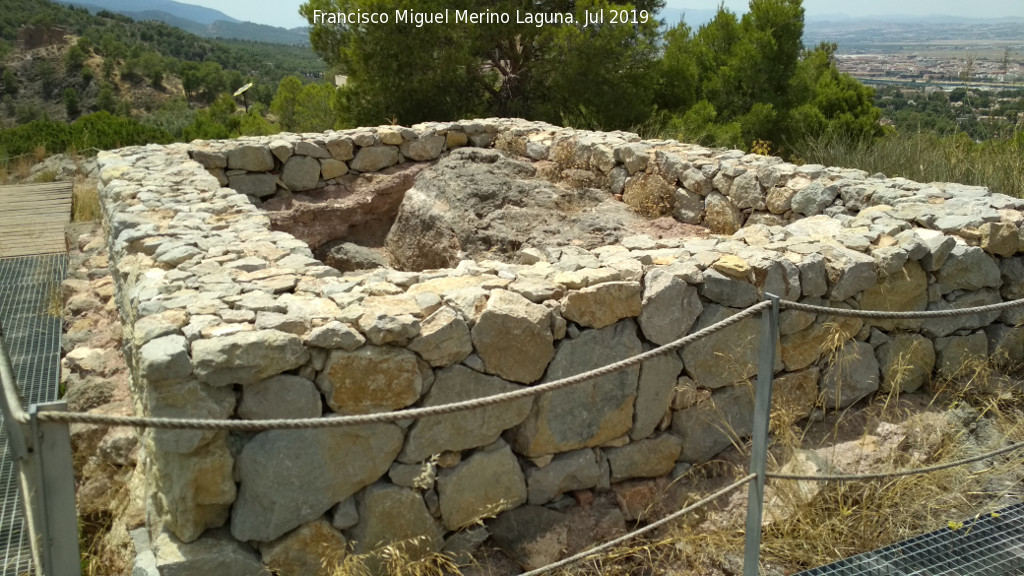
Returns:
(228, 318)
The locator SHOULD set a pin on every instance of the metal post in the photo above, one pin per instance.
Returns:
(759, 449)
(56, 490)
(10, 405)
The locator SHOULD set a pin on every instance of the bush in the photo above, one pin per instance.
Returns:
(100, 130)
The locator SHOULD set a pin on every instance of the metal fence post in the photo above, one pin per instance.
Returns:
(56, 493)
(759, 448)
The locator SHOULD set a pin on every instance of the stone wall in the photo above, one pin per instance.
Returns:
(226, 318)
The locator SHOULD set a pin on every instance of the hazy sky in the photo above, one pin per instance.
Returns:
(285, 12)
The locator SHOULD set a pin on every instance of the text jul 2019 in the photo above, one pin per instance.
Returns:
(448, 16)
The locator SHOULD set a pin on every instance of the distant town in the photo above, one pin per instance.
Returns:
(944, 72)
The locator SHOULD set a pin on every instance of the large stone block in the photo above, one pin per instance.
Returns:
(945, 326)
(906, 361)
(903, 291)
(301, 173)
(513, 337)
(283, 396)
(851, 376)
(727, 356)
(960, 356)
(312, 549)
(164, 360)
(604, 304)
(391, 514)
(468, 429)
(587, 414)
(849, 271)
(576, 470)
(215, 553)
(669, 309)
(424, 148)
(444, 338)
(648, 458)
(484, 484)
(533, 536)
(250, 158)
(193, 491)
(794, 394)
(290, 477)
(654, 393)
(374, 158)
(370, 379)
(246, 357)
(713, 425)
(1005, 345)
(967, 268)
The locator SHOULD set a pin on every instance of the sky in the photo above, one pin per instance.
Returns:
(285, 12)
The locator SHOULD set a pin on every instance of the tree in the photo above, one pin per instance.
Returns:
(283, 105)
(313, 108)
(106, 100)
(410, 73)
(71, 104)
(75, 58)
(10, 83)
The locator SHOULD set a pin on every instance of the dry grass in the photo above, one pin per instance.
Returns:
(397, 559)
(85, 201)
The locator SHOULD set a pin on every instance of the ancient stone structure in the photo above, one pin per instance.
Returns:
(227, 317)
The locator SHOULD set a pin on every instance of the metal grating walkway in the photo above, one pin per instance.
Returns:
(32, 336)
(991, 546)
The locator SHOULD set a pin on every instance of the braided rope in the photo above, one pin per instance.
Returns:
(381, 417)
(653, 525)
(897, 473)
(900, 315)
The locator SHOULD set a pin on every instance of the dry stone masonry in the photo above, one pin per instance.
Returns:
(500, 284)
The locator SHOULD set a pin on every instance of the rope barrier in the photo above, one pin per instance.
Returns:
(382, 417)
(896, 473)
(901, 315)
(652, 526)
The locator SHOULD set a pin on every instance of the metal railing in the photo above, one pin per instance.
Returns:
(41, 442)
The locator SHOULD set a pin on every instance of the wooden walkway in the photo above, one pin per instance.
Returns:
(32, 218)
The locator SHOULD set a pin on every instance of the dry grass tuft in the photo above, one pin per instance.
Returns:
(85, 201)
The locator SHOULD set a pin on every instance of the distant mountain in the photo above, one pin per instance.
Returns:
(197, 20)
(181, 10)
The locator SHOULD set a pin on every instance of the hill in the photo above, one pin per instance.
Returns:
(197, 20)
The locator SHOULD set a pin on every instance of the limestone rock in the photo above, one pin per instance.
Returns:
(906, 361)
(374, 158)
(246, 357)
(468, 429)
(669, 307)
(370, 379)
(648, 458)
(331, 168)
(999, 238)
(313, 549)
(382, 327)
(654, 393)
(349, 257)
(849, 271)
(967, 268)
(852, 376)
(576, 470)
(746, 192)
(312, 470)
(250, 158)
(957, 356)
(513, 337)
(603, 305)
(282, 396)
(444, 338)
(423, 148)
(945, 326)
(727, 291)
(904, 291)
(720, 215)
(713, 425)
(1005, 344)
(813, 199)
(727, 356)
(165, 360)
(482, 485)
(794, 394)
(334, 335)
(197, 488)
(301, 173)
(215, 553)
(390, 515)
(532, 535)
(586, 414)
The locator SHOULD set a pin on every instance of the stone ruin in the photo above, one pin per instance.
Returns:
(475, 258)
